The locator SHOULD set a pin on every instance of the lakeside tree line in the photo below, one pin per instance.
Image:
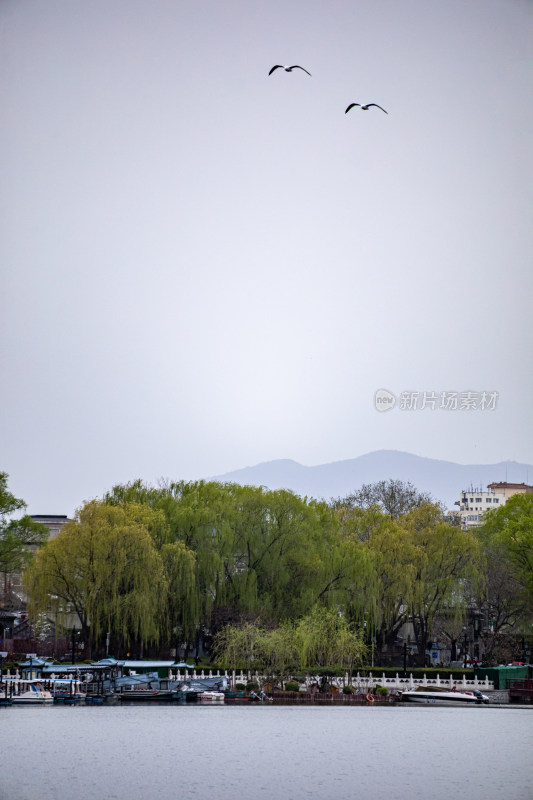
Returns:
(173, 566)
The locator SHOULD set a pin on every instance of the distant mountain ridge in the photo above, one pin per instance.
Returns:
(444, 480)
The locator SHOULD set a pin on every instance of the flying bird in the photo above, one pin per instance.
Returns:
(287, 69)
(365, 108)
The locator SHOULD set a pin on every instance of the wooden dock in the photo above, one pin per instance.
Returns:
(339, 698)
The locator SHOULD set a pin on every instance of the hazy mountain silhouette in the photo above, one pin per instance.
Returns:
(443, 479)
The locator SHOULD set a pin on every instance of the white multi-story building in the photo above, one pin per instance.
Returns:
(474, 502)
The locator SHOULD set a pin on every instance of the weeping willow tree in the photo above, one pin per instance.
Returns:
(183, 605)
(322, 638)
(380, 571)
(241, 646)
(256, 551)
(254, 647)
(394, 557)
(105, 567)
(197, 542)
(325, 638)
(275, 555)
(348, 575)
(277, 551)
(447, 569)
(199, 515)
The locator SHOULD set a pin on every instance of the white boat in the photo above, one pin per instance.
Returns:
(421, 694)
(30, 692)
(211, 697)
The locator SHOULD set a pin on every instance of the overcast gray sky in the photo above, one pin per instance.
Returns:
(204, 267)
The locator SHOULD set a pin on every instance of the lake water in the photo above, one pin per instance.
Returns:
(265, 752)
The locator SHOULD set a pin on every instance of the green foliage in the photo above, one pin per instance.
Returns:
(255, 551)
(415, 565)
(320, 672)
(8, 502)
(105, 565)
(503, 600)
(16, 536)
(379, 598)
(300, 581)
(511, 528)
(325, 638)
(240, 647)
(446, 560)
(292, 686)
(182, 607)
(320, 638)
(278, 649)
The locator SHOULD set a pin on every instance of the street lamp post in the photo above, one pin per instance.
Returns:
(3, 655)
(31, 656)
(465, 645)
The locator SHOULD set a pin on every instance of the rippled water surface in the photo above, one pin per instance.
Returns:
(244, 753)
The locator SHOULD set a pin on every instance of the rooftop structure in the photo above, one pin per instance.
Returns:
(474, 501)
(509, 489)
(54, 522)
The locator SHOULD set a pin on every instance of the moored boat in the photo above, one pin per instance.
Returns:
(203, 689)
(184, 694)
(30, 693)
(146, 688)
(237, 697)
(211, 697)
(246, 697)
(421, 694)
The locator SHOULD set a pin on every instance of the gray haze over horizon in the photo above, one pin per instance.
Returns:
(204, 267)
(442, 480)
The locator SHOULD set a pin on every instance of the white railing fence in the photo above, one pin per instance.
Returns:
(364, 683)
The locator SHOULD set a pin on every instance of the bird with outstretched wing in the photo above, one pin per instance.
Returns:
(365, 108)
(287, 69)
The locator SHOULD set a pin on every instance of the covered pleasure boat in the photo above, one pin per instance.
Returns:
(29, 693)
